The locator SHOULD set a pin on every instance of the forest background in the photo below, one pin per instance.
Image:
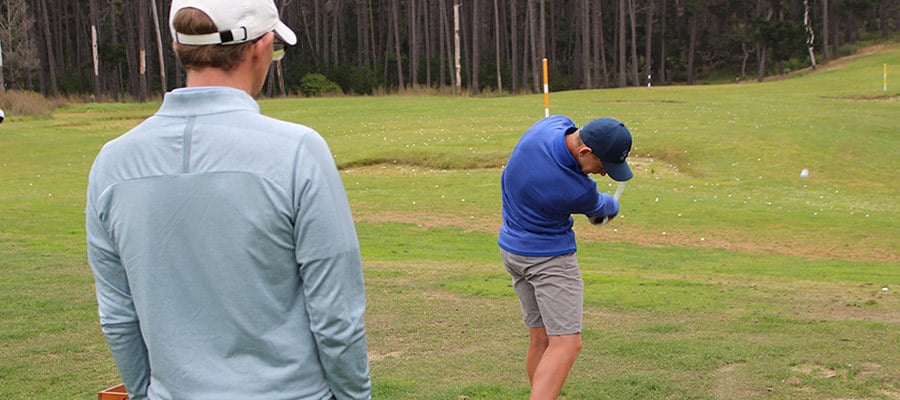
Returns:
(368, 47)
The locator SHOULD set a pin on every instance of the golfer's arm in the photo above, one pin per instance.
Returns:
(336, 304)
(331, 269)
(594, 203)
(130, 353)
(118, 318)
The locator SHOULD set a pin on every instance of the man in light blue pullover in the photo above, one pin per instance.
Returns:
(545, 182)
(224, 253)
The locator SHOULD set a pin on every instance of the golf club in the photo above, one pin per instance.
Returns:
(616, 196)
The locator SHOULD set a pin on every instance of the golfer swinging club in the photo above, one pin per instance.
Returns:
(544, 183)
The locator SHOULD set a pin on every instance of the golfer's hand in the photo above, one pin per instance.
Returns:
(600, 219)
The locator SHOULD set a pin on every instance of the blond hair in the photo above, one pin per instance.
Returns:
(191, 21)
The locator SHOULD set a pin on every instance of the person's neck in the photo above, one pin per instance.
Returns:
(209, 76)
(572, 144)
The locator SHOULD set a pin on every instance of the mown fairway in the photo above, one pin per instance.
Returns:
(727, 276)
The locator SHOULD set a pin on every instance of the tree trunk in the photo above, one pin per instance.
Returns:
(317, 29)
(413, 44)
(761, 48)
(280, 73)
(543, 38)
(362, 34)
(836, 38)
(884, 11)
(130, 82)
(635, 79)
(744, 60)
(337, 30)
(497, 45)
(159, 45)
(2, 82)
(586, 44)
(465, 41)
(761, 51)
(142, 48)
(621, 34)
(311, 37)
(95, 38)
(692, 46)
(113, 75)
(457, 66)
(476, 50)
(427, 22)
(662, 43)
(826, 51)
(59, 21)
(648, 44)
(395, 22)
(372, 42)
(810, 35)
(600, 45)
(48, 41)
(534, 60)
(329, 24)
(444, 43)
(514, 45)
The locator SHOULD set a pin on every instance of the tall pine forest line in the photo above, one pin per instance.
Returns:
(382, 46)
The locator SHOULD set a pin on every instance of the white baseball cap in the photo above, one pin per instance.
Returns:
(238, 21)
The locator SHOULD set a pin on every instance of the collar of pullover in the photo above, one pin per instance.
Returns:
(205, 101)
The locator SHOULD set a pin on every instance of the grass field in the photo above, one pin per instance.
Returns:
(727, 276)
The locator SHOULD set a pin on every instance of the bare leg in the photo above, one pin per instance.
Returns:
(536, 348)
(554, 366)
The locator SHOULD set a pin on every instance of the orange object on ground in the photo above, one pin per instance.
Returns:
(114, 393)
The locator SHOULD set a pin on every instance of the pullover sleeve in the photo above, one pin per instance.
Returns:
(594, 203)
(331, 269)
(118, 318)
(607, 205)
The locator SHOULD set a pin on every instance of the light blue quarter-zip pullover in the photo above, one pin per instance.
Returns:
(225, 257)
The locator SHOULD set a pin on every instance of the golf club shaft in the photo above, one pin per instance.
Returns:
(619, 190)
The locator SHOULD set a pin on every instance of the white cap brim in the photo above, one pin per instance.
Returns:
(285, 34)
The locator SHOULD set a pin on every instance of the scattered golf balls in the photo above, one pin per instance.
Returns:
(804, 173)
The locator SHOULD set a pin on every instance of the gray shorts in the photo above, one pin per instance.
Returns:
(550, 290)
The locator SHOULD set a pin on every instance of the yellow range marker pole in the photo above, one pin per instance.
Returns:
(546, 91)
(884, 87)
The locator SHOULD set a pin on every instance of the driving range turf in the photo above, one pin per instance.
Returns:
(726, 276)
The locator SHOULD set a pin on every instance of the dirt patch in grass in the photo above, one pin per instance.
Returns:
(656, 163)
(866, 302)
(623, 101)
(436, 161)
(886, 97)
(733, 382)
(817, 371)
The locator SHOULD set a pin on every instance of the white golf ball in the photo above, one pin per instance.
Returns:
(804, 173)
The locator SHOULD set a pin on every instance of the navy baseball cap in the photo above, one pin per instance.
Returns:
(610, 141)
